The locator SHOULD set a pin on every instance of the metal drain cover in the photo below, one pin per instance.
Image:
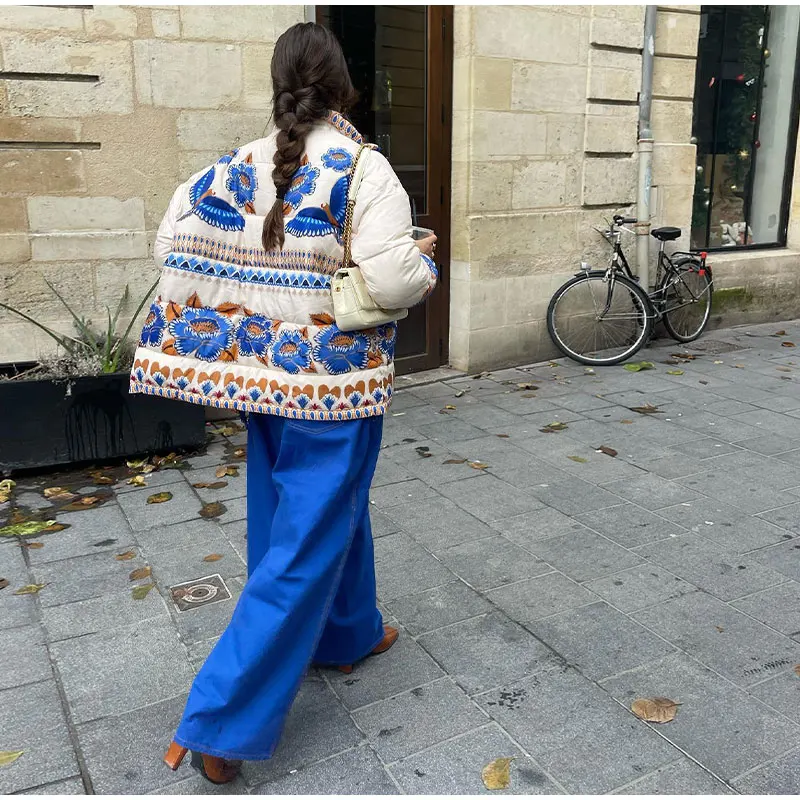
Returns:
(714, 347)
(199, 592)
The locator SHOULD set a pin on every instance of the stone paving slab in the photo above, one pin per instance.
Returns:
(536, 597)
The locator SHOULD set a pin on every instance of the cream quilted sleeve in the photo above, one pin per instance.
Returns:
(178, 206)
(396, 273)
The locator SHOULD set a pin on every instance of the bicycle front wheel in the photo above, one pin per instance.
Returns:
(687, 295)
(599, 321)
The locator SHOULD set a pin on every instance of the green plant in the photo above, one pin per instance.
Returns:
(104, 349)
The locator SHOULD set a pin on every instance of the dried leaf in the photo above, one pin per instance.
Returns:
(148, 468)
(478, 465)
(211, 510)
(33, 545)
(578, 459)
(8, 757)
(502, 436)
(554, 426)
(231, 429)
(788, 344)
(140, 574)
(86, 502)
(240, 452)
(796, 669)
(224, 471)
(675, 372)
(212, 485)
(638, 367)
(528, 387)
(161, 497)
(528, 395)
(449, 408)
(3, 583)
(609, 451)
(6, 488)
(497, 774)
(455, 461)
(136, 464)
(58, 493)
(56, 527)
(30, 528)
(780, 333)
(657, 709)
(647, 408)
(140, 592)
(31, 588)
(684, 356)
(783, 369)
(126, 556)
(626, 422)
(459, 394)
(138, 480)
(104, 480)
(214, 557)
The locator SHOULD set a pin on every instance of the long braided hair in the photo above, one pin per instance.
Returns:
(309, 79)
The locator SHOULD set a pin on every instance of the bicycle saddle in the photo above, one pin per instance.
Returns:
(666, 234)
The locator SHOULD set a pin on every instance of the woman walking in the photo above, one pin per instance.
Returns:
(244, 320)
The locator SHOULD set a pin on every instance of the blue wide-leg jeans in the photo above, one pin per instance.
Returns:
(310, 593)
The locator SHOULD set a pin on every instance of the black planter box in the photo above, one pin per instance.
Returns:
(48, 423)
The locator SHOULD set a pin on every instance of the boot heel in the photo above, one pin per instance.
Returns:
(174, 756)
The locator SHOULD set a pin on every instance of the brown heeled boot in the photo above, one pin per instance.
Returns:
(389, 638)
(214, 769)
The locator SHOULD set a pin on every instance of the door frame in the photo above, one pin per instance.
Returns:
(439, 94)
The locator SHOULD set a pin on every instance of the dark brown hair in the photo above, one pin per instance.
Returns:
(309, 79)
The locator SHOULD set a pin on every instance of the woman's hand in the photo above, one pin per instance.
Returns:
(427, 245)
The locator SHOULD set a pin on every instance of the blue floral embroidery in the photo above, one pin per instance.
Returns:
(254, 335)
(153, 330)
(291, 352)
(338, 159)
(228, 157)
(341, 352)
(202, 185)
(242, 182)
(303, 183)
(202, 332)
(323, 221)
(218, 213)
(387, 338)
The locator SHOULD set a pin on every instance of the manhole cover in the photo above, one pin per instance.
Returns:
(199, 592)
(714, 347)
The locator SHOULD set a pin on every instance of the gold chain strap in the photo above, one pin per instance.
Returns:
(347, 231)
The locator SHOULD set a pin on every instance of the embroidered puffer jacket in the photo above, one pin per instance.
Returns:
(234, 326)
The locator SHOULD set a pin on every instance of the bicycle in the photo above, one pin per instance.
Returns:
(603, 317)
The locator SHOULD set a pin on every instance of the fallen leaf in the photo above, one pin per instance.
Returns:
(140, 592)
(212, 485)
(140, 574)
(148, 468)
(647, 408)
(675, 372)
(31, 588)
(783, 369)
(87, 501)
(704, 383)
(497, 774)
(657, 709)
(126, 556)
(528, 387)
(138, 480)
(478, 465)
(224, 471)
(738, 366)
(240, 452)
(230, 430)
(796, 669)
(3, 583)
(104, 480)
(780, 333)
(554, 426)
(56, 527)
(30, 528)
(455, 461)
(211, 510)
(33, 545)
(161, 497)
(609, 451)
(528, 395)
(136, 464)
(8, 757)
(214, 557)
(684, 356)
(58, 493)
(589, 371)
(719, 362)
(788, 344)
(626, 422)
(578, 459)
(459, 394)
(6, 487)
(502, 436)
(719, 629)
(449, 408)
(640, 366)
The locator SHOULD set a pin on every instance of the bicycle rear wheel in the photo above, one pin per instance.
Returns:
(687, 298)
(599, 321)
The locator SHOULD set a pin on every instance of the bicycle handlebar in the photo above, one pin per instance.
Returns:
(624, 220)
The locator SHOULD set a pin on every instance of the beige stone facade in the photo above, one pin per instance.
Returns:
(544, 147)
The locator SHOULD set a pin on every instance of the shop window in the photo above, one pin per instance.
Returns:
(745, 124)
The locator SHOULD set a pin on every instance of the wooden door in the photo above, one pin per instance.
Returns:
(400, 60)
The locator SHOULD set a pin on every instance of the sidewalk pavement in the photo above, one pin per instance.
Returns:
(540, 586)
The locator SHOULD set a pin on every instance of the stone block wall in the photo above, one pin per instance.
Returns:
(103, 111)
